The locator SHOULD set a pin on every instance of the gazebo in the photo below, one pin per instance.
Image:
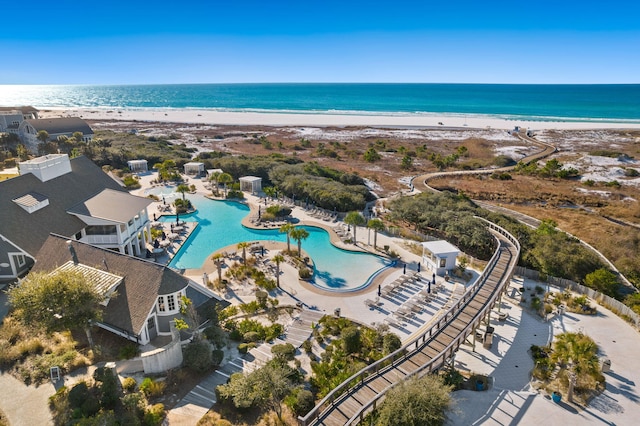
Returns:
(138, 166)
(194, 168)
(251, 184)
(439, 255)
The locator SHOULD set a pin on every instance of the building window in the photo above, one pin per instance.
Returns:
(151, 323)
(20, 260)
(101, 230)
(443, 263)
(171, 302)
(161, 307)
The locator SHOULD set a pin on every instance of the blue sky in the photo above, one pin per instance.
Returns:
(135, 42)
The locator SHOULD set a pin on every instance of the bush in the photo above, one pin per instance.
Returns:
(129, 384)
(251, 336)
(304, 273)
(197, 356)
(128, 351)
(154, 415)
(152, 388)
(307, 346)
(243, 348)
(216, 357)
(285, 351)
(300, 401)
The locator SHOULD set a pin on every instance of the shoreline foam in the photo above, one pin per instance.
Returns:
(325, 119)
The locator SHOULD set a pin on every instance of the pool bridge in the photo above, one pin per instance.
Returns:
(357, 396)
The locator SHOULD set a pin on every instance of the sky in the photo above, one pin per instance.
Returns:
(198, 41)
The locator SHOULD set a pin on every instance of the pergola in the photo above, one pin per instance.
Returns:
(194, 168)
(251, 184)
(138, 166)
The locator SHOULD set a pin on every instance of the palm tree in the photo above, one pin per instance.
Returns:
(579, 353)
(286, 229)
(376, 225)
(182, 188)
(299, 234)
(217, 259)
(43, 136)
(243, 245)
(270, 191)
(354, 219)
(225, 178)
(278, 258)
(214, 178)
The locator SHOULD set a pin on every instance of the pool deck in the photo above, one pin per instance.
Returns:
(363, 305)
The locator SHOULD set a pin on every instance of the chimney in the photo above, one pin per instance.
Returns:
(72, 250)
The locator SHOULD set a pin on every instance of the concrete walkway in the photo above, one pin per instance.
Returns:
(513, 401)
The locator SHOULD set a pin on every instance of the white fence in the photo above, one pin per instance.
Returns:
(614, 305)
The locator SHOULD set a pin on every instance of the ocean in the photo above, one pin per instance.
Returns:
(602, 103)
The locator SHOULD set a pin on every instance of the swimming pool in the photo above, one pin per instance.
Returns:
(219, 226)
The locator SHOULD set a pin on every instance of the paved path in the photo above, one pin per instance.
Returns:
(513, 401)
(202, 397)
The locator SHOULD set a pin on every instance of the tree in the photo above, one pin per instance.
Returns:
(278, 258)
(43, 136)
(270, 191)
(391, 343)
(286, 229)
(377, 225)
(22, 152)
(62, 300)
(416, 402)
(407, 162)
(182, 188)
(214, 178)
(371, 155)
(351, 342)
(266, 387)
(299, 234)
(578, 354)
(243, 245)
(354, 219)
(218, 259)
(225, 178)
(603, 281)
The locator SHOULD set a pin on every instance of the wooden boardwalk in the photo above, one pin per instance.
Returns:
(427, 353)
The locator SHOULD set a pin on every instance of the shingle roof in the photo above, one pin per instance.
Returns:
(23, 109)
(29, 231)
(108, 204)
(61, 125)
(142, 281)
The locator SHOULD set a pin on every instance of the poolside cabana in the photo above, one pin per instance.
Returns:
(211, 172)
(194, 168)
(251, 184)
(138, 166)
(439, 255)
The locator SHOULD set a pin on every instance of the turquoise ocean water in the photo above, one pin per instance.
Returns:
(520, 101)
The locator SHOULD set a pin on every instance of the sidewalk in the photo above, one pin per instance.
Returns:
(512, 401)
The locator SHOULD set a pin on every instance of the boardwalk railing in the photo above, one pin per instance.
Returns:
(344, 391)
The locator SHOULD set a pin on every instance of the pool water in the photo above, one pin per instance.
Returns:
(220, 226)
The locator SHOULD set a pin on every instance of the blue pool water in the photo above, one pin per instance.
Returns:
(219, 226)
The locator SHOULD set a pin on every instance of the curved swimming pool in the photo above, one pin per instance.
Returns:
(220, 226)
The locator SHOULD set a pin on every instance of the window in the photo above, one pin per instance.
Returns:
(101, 230)
(20, 260)
(171, 302)
(443, 263)
(161, 303)
(151, 323)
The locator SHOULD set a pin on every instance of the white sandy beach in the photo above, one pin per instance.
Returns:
(214, 117)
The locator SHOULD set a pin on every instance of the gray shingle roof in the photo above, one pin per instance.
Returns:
(61, 125)
(24, 109)
(142, 281)
(111, 205)
(29, 231)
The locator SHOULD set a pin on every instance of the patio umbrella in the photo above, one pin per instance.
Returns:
(164, 236)
(154, 217)
(379, 289)
(404, 268)
(177, 218)
(156, 243)
(434, 277)
(418, 266)
(428, 286)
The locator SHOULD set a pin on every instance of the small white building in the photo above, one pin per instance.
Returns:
(138, 166)
(439, 255)
(194, 168)
(252, 184)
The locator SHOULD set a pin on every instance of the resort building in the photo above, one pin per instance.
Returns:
(73, 198)
(251, 184)
(138, 166)
(55, 127)
(141, 297)
(194, 168)
(439, 255)
(11, 117)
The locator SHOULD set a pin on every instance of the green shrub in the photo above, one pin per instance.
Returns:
(307, 346)
(128, 351)
(304, 273)
(217, 356)
(251, 336)
(154, 415)
(285, 351)
(152, 388)
(300, 401)
(197, 356)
